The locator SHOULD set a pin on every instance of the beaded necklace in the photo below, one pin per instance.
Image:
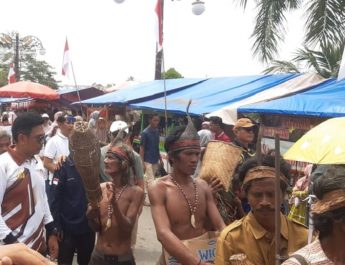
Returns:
(110, 205)
(192, 209)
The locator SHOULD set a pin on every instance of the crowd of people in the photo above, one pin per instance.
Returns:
(45, 211)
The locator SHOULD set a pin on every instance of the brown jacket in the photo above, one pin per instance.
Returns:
(247, 236)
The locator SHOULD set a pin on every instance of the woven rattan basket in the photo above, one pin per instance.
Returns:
(220, 161)
(85, 151)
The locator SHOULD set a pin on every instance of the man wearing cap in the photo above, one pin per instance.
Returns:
(183, 208)
(252, 237)
(244, 130)
(216, 127)
(47, 123)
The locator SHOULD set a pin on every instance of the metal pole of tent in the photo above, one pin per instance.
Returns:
(258, 146)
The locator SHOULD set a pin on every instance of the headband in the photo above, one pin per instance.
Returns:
(117, 152)
(261, 172)
(185, 144)
(331, 201)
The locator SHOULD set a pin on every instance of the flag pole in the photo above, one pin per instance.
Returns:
(165, 96)
(76, 88)
(160, 61)
(65, 71)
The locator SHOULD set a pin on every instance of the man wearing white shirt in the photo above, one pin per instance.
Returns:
(24, 207)
(57, 146)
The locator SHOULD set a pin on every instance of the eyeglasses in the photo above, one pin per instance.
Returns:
(248, 129)
(40, 138)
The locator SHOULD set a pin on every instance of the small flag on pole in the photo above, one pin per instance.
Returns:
(11, 74)
(66, 62)
(159, 27)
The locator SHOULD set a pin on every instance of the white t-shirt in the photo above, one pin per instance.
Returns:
(56, 147)
(24, 205)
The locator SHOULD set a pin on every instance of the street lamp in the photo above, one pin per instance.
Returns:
(29, 42)
(198, 7)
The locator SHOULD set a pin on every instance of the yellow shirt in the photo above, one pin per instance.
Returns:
(247, 236)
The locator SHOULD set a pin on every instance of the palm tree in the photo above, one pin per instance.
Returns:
(325, 62)
(325, 24)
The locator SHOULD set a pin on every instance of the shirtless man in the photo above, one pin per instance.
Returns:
(116, 216)
(182, 207)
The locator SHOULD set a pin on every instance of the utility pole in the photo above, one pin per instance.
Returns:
(16, 58)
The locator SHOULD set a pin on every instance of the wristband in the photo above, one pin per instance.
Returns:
(51, 229)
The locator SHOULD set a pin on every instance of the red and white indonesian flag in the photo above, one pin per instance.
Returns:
(66, 62)
(11, 74)
(159, 25)
(341, 73)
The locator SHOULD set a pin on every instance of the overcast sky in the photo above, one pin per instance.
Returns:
(110, 42)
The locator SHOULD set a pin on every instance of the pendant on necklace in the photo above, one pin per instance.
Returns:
(192, 220)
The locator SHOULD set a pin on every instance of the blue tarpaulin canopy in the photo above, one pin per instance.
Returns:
(214, 93)
(324, 100)
(10, 100)
(144, 91)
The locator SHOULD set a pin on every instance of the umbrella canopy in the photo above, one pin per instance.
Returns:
(27, 89)
(324, 144)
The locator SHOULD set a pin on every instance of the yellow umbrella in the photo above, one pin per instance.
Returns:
(324, 144)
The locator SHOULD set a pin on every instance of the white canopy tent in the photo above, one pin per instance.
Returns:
(300, 83)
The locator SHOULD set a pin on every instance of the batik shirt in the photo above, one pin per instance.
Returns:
(313, 255)
(24, 206)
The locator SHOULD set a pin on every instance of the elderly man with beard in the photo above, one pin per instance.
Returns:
(115, 218)
(253, 236)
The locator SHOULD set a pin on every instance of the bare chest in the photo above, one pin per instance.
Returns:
(180, 208)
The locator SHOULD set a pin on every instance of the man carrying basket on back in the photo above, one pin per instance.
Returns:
(219, 169)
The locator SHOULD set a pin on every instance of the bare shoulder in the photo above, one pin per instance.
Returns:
(202, 183)
(157, 190)
(159, 184)
(134, 189)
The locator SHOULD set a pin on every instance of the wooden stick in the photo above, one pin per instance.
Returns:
(258, 146)
(277, 200)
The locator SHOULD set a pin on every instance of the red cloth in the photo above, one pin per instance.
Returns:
(222, 137)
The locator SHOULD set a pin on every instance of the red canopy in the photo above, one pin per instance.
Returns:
(26, 89)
